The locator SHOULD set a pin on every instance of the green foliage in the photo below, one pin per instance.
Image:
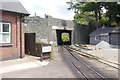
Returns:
(113, 23)
(94, 7)
(52, 55)
(37, 41)
(65, 37)
(104, 19)
(113, 9)
(82, 18)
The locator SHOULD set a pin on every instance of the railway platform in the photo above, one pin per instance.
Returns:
(31, 67)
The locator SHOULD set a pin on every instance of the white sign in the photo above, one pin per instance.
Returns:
(46, 49)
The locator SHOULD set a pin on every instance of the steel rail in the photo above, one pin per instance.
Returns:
(72, 49)
(80, 72)
(102, 59)
(84, 65)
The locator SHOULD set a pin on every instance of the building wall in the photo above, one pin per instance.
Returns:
(115, 39)
(105, 38)
(43, 27)
(13, 51)
(94, 41)
(81, 33)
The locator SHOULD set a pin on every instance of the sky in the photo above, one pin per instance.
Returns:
(54, 8)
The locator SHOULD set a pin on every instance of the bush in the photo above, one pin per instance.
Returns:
(65, 37)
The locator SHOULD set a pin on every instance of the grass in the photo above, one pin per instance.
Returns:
(85, 55)
(52, 55)
(37, 41)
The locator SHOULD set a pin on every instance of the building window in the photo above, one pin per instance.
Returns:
(5, 32)
(98, 38)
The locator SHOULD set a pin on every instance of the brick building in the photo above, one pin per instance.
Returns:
(12, 30)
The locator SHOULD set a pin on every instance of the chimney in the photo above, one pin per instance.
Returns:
(103, 27)
(35, 14)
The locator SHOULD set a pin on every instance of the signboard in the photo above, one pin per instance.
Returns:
(46, 49)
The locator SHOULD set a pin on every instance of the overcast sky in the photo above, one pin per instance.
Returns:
(55, 8)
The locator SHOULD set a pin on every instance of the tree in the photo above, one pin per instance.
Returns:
(65, 37)
(113, 9)
(84, 18)
(93, 7)
(96, 8)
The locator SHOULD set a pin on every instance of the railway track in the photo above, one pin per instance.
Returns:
(101, 58)
(87, 72)
(84, 54)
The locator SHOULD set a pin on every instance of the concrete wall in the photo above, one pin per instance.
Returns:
(81, 33)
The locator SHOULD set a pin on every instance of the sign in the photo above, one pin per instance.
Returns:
(46, 49)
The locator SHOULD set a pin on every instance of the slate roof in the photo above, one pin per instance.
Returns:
(118, 25)
(12, 6)
(101, 31)
(116, 30)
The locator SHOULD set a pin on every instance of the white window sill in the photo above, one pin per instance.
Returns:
(6, 44)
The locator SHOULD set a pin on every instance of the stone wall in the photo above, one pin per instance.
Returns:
(38, 26)
(45, 28)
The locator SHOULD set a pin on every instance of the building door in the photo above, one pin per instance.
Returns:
(30, 43)
(115, 39)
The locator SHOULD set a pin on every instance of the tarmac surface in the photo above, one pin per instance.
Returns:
(31, 67)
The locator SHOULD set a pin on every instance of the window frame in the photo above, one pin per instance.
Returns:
(98, 39)
(1, 33)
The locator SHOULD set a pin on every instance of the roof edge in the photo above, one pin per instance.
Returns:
(25, 14)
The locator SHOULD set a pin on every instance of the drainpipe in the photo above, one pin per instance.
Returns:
(21, 36)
